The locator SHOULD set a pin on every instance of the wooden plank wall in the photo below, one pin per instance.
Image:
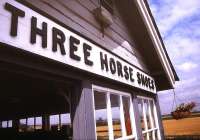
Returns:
(83, 112)
(78, 14)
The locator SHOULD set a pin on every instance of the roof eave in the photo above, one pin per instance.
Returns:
(157, 41)
(160, 37)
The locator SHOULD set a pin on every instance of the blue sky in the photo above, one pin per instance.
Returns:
(179, 25)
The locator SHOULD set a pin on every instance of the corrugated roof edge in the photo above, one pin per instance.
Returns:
(159, 35)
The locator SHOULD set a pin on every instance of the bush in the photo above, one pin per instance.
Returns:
(183, 110)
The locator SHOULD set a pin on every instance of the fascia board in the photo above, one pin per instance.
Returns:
(156, 40)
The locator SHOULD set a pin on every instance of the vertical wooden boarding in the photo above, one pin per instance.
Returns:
(45, 122)
(15, 123)
(59, 122)
(83, 112)
(158, 118)
(75, 111)
(137, 118)
(89, 110)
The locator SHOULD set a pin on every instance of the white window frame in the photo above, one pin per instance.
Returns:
(154, 112)
(107, 92)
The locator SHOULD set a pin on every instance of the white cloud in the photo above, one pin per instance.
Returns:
(186, 82)
(181, 46)
(187, 66)
(179, 23)
(170, 12)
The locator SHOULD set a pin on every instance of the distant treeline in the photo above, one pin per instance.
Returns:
(168, 117)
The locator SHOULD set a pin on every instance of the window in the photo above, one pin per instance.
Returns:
(55, 122)
(148, 118)
(115, 110)
(22, 125)
(126, 106)
(60, 122)
(38, 123)
(10, 123)
(113, 114)
(101, 115)
(65, 119)
(6, 124)
(30, 124)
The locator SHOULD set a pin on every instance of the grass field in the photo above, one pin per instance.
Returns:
(186, 126)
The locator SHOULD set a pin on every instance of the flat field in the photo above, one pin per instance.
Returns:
(186, 126)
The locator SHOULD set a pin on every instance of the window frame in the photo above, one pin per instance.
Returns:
(108, 92)
(8, 123)
(150, 113)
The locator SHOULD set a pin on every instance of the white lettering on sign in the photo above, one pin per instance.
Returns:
(23, 28)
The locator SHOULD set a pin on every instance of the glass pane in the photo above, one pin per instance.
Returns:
(146, 105)
(126, 106)
(145, 136)
(30, 124)
(141, 113)
(101, 115)
(152, 112)
(150, 135)
(115, 107)
(4, 124)
(54, 122)
(156, 134)
(10, 123)
(66, 126)
(22, 125)
(65, 119)
(38, 123)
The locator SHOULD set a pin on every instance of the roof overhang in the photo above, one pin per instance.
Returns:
(139, 20)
